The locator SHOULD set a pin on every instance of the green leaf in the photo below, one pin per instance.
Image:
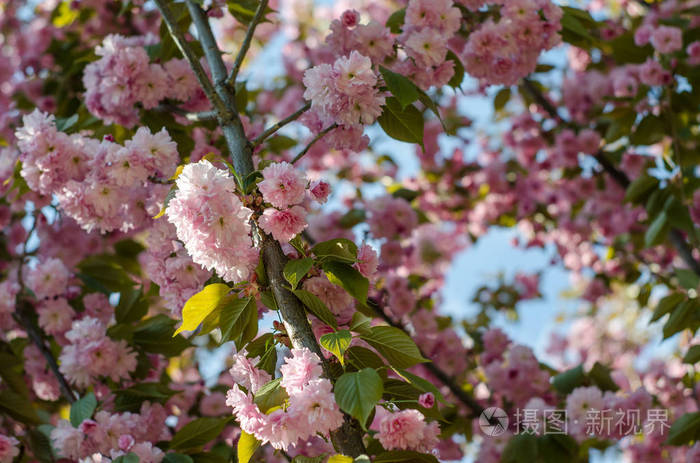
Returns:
(82, 409)
(400, 86)
(303, 459)
(361, 357)
(360, 323)
(196, 434)
(130, 457)
(458, 76)
(600, 375)
(403, 124)
(352, 218)
(422, 384)
(340, 249)
(270, 395)
(650, 130)
(554, 448)
(693, 355)
(337, 343)
(132, 306)
(177, 458)
(685, 315)
(399, 456)
(357, 393)
(520, 449)
(247, 445)
(348, 278)
(396, 20)
(64, 15)
(666, 305)
(395, 345)
(640, 187)
(202, 304)
(569, 380)
(155, 335)
(268, 299)
(501, 99)
(317, 307)
(295, 270)
(168, 197)
(130, 399)
(40, 443)
(230, 316)
(684, 430)
(63, 124)
(103, 273)
(657, 231)
(18, 407)
(687, 278)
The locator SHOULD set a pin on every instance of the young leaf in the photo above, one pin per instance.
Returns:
(82, 409)
(684, 430)
(666, 305)
(348, 278)
(693, 355)
(247, 445)
(270, 395)
(357, 393)
(340, 459)
(200, 305)
(569, 380)
(296, 269)
(395, 345)
(340, 249)
(337, 343)
(405, 456)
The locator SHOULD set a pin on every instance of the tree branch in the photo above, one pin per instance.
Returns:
(247, 40)
(685, 251)
(348, 438)
(194, 117)
(320, 135)
(292, 117)
(188, 53)
(35, 334)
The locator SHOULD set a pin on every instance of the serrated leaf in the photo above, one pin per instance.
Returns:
(403, 124)
(684, 430)
(337, 343)
(400, 86)
(82, 409)
(199, 306)
(395, 345)
(358, 392)
(340, 249)
(316, 307)
(348, 278)
(360, 323)
(295, 270)
(196, 434)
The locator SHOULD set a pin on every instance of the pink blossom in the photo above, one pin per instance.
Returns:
(8, 448)
(48, 278)
(299, 369)
(426, 400)
(283, 225)
(55, 315)
(367, 261)
(244, 372)
(667, 39)
(320, 190)
(282, 185)
(389, 217)
(407, 430)
(212, 222)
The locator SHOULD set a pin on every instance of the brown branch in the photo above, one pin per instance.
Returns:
(292, 117)
(257, 17)
(320, 135)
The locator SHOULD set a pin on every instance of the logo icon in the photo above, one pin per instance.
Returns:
(493, 421)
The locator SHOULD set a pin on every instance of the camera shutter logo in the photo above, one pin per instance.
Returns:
(493, 421)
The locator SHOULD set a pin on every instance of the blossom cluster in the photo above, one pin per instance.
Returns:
(110, 435)
(285, 188)
(9, 448)
(166, 262)
(212, 222)
(344, 93)
(123, 77)
(91, 354)
(407, 430)
(309, 409)
(100, 184)
(502, 52)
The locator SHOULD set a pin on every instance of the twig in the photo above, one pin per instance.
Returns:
(247, 40)
(320, 135)
(194, 117)
(292, 117)
(188, 53)
(676, 236)
(34, 333)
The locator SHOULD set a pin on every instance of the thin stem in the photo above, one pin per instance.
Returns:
(188, 53)
(291, 118)
(35, 333)
(320, 135)
(201, 116)
(247, 40)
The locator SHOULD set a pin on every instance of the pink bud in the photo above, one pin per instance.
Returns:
(426, 400)
(320, 191)
(126, 441)
(87, 426)
(350, 18)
